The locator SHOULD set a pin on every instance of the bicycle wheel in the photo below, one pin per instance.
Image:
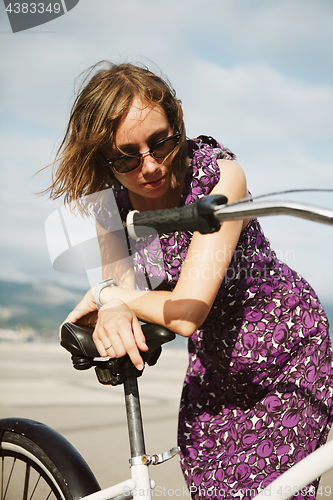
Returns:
(46, 468)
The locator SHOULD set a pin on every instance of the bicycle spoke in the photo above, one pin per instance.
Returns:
(26, 482)
(9, 477)
(35, 488)
(34, 485)
(48, 496)
(28, 473)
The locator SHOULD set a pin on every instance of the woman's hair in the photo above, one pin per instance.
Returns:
(99, 107)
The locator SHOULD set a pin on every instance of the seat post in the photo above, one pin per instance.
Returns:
(134, 417)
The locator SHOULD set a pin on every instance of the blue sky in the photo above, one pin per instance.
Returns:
(255, 74)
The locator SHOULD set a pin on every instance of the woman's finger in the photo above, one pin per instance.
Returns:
(119, 327)
(110, 351)
(125, 342)
(139, 337)
(106, 335)
(101, 345)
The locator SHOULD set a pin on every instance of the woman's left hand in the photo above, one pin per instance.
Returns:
(118, 332)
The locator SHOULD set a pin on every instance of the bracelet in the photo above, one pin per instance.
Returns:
(99, 287)
(130, 224)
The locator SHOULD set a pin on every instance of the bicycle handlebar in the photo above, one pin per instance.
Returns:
(249, 209)
(206, 215)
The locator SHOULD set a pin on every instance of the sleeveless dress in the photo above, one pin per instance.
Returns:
(257, 395)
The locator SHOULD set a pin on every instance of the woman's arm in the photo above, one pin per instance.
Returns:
(116, 262)
(185, 308)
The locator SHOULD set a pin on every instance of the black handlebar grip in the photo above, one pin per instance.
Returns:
(165, 221)
(198, 216)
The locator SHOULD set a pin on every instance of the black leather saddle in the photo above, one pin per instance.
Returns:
(79, 342)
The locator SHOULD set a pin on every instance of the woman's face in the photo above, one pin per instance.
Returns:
(143, 126)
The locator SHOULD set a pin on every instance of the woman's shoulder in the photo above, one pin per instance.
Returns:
(204, 170)
(205, 145)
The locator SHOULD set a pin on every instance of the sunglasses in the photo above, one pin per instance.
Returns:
(126, 163)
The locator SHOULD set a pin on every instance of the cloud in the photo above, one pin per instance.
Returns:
(259, 103)
(256, 75)
(270, 121)
(294, 36)
(245, 41)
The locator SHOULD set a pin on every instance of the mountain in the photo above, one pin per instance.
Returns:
(37, 309)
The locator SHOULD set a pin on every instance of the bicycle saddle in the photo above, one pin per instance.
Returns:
(79, 342)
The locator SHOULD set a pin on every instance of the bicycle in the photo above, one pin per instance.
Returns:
(42, 462)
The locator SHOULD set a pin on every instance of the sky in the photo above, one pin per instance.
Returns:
(255, 74)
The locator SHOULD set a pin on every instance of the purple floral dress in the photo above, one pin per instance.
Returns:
(257, 395)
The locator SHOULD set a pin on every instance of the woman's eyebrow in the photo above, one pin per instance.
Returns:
(151, 139)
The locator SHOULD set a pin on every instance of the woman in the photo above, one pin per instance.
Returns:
(258, 390)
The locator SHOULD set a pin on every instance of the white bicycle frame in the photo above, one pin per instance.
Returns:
(302, 473)
(288, 484)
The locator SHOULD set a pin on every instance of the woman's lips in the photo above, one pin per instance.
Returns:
(155, 184)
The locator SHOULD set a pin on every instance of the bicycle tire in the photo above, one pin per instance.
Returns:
(37, 463)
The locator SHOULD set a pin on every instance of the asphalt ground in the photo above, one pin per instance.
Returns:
(38, 382)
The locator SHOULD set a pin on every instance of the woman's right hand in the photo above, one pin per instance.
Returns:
(85, 313)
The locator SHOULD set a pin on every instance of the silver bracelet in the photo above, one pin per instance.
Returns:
(99, 287)
(130, 224)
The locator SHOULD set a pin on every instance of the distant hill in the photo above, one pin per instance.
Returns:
(38, 308)
(35, 311)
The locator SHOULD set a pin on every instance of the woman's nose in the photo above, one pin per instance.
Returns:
(148, 163)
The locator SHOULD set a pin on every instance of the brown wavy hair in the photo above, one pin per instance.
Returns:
(103, 100)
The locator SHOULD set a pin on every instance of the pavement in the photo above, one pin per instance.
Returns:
(38, 382)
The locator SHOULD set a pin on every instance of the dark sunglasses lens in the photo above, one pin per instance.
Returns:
(126, 164)
(164, 148)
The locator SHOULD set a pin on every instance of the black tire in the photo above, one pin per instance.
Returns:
(24, 467)
(37, 468)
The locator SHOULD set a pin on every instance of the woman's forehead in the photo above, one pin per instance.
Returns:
(142, 120)
(141, 112)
